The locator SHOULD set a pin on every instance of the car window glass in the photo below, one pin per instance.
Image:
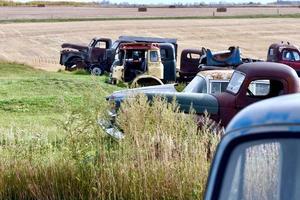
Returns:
(197, 85)
(271, 51)
(266, 88)
(259, 88)
(296, 56)
(91, 43)
(290, 55)
(101, 44)
(115, 45)
(193, 56)
(264, 169)
(153, 56)
(218, 86)
(236, 82)
(163, 54)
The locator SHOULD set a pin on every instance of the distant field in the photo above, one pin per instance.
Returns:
(38, 44)
(7, 13)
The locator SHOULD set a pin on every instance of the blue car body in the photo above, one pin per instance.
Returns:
(230, 58)
(270, 122)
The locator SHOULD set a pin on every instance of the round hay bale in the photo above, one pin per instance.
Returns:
(222, 9)
(142, 9)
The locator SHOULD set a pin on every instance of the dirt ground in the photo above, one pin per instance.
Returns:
(87, 12)
(38, 44)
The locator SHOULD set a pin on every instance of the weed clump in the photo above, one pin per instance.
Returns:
(162, 156)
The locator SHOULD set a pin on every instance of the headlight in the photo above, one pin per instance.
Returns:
(112, 108)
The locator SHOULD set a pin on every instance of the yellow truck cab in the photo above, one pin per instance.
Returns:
(138, 63)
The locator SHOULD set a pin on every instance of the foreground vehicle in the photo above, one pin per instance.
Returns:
(251, 82)
(258, 158)
(211, 81)
(286, 54)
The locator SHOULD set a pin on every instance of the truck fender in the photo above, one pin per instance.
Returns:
(146, 80)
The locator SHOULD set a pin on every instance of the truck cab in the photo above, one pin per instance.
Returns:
(189, 62)
(250, 83)
(285, 53)
(258, 158)
(253, 82)
(138, 62)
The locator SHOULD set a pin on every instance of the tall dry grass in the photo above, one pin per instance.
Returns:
(163, 156)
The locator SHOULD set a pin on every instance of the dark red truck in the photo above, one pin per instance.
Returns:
(285, 53)
(250, 83)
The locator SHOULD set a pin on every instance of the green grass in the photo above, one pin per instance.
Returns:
(27, 92)
(52, 148)
(258, 16)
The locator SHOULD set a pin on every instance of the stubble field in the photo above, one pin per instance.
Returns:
(92, 12)
(38, 44)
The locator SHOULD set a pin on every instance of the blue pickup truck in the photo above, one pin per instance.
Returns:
(259, 156)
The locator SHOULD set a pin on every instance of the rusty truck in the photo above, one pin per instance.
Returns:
(250, 82)
(285, 53)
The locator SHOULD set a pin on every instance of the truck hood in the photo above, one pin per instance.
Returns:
(74, 46)
(200, 102)
(119, 95)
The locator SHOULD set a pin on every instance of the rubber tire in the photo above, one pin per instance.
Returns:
(97, 71)
(71, 62)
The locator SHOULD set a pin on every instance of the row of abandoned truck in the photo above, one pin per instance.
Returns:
(152, 61)
(258, 156)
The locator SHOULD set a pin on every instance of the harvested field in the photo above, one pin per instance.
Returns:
(7, 13)
(38, 44)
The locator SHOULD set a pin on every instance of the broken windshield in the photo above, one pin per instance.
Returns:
(236, 82)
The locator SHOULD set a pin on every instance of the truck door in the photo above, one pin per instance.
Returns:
(260, 89)
(291, 58)
(167, 54)
(97, 53)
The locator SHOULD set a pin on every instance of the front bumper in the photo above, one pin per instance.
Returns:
(110, 128)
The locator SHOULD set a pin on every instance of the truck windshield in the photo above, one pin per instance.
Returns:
(197, 85)
(264, 169)
(92, 43)
(236, 82)
(115, 45)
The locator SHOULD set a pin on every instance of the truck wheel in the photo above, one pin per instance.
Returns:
(72, 63)
(97, 71)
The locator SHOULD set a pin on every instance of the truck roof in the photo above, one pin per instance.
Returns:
(268, 69)
(149, 39)
(283, 45)
(279, 110)
(139, 46)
